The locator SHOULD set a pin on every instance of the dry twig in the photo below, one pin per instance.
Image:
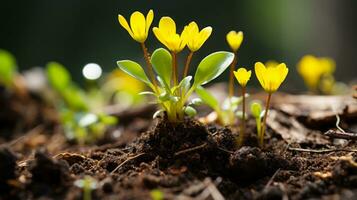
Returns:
(190, 149)
(127, 160)
(320, 150)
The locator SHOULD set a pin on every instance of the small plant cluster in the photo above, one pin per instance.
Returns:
(80, 121)
(171, 93)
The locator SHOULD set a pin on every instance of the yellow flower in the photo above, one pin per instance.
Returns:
(234, 40)
(139, 26)
(166, 34)
(242, 76)
(196, 38)
(312, 68)
(271, 78)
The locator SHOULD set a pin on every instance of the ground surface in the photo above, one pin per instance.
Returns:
(186, 161)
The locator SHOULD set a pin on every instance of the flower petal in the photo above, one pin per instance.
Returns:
(167, 25)
(260, 72)
(138, 26)
(125, 25)
(149, 19)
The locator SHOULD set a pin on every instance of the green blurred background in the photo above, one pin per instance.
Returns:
(77, 32)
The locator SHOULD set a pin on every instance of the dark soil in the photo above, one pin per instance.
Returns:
(188, 160)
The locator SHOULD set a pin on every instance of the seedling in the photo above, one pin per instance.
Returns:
(79, 120)
(223, 110)
(270, 78)
(257, 113)
(87, 184)
(242, 76)
(170, 93)
(156, 194)
(8, 68)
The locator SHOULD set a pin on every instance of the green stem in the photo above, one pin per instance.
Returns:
(187, 66)
(231, 87)
(261, 138)
(174, 68)
(242, 129)
(148, 63)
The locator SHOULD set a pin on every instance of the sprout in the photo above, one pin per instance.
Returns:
(156, 194)
(8, 68)
(242, 76)
(87, 184)
(257, 113)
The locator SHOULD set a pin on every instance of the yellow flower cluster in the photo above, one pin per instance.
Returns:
(312, 69)
(166, 32)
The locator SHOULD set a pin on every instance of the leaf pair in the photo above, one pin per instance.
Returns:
(209, 68)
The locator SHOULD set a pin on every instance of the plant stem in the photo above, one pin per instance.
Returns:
(231, 81)
(242, 129)
(231, 88)
(261, 137)
(148, 63)
(187, 66)
(174, 68)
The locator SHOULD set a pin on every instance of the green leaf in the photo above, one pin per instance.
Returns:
(7, 67)
(212, 66)
(184, 85)
(135, 70)
(207, 98)
(58, 76)
(256, 109)
(161, 61)
(74, 98)
(196, 102)
(190, 111)
(147, 93)
(164, 85)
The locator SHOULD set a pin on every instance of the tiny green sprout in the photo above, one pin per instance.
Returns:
(156, 194)
(257, 113)
(223, 111)
(87, 184)
(8, 68)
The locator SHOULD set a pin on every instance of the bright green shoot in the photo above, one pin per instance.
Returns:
(170, 96)
(87, 184)
(257, 113)
(223, 111)
(8, 68)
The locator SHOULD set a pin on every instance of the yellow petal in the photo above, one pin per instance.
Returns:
(203, 36)
(260, 72)
(193, 27)
(283, 72)
(161, 37)
(125, 25)
(167, 25)
(149, 19)
(138, 26)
